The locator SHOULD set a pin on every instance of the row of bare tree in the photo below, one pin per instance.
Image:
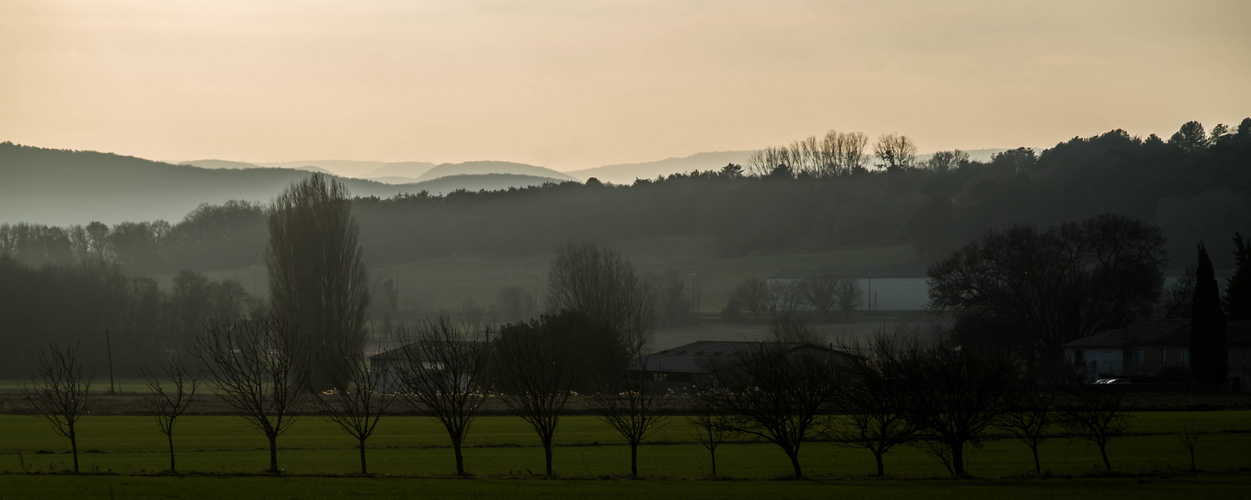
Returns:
(823, 294)
(845, 153)
(877, 396)
(892, 391)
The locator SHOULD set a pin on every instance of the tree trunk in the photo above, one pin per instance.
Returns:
(460, 459)
(273, 453)
(1103, 451)
(713, 452)
(363, 469)
(170, 436)
(794, 456)
(957, 458)
(547, 453)
(634, 460)
(74, 449)
(881, 469)
(1037, 465)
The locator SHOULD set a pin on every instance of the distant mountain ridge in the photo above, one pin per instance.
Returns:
(626, 173)
(63, 187)
(417, 171)
(492, 167)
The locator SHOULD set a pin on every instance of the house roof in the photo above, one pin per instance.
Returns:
(900, 271)
(1159, 331)
(693, 357)
(398, 352)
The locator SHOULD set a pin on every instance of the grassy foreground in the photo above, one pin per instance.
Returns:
(190, 487)
(126, 456)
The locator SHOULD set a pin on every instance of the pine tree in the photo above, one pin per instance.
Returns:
(1209, 356)
(1238, 287)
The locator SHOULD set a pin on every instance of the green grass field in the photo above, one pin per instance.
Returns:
(586, 447)
(1206, 486)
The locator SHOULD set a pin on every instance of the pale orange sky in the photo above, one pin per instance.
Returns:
(573, 85)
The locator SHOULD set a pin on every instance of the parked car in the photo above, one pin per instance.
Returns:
(1112, 381)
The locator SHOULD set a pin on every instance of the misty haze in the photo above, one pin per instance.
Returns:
(556, 248)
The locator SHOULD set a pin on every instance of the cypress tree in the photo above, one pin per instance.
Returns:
(1209, 356)
(1238, 287)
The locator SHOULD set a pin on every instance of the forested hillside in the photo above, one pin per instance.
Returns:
(1195, 186)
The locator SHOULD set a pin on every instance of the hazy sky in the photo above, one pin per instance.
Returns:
(573, 85)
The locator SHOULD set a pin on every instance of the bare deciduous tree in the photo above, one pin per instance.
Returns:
(58, 392)
(779, 392)
(1028, 417)
(820, 292)
(1190, 439)
(945, 161)
(358, 404)
(168, 401)
(258, 366)
(872, 401)
(709, 425)
(317, 278)
(534, 373)
(632, 405)
(442, 372)
(753, 294)
(848, 295)
(787, 327)
(783, 297)
(895, 152)
(851, 152)
(1096, 413)
(597, 281)
(952, 395)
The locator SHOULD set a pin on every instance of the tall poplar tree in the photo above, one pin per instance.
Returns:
(1238, 287)
(317, 278)
(1209, 356)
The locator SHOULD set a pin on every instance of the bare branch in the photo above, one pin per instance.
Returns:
(59, 394)
(441, 371)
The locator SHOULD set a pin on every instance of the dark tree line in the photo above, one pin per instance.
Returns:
(78, 303)
(1193, 189)
(1030, 290)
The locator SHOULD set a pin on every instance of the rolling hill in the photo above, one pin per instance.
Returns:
(63, 187)
(492, 167)
(626, 173)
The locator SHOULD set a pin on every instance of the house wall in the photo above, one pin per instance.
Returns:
(1098, 362)
(1240, 365)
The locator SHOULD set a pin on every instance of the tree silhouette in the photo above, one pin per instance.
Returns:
(169, 400)
(633, 405)
(317, 278)
(1190, 137)
(1237, 300)
(357, 404)
(1209, 354)
(534, 372)
(59, 392)
(442, 371)
(258, 366)
(779, 392)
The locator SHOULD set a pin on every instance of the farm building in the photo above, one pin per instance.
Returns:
(688, 366)
(1154, 348)
(390, 362)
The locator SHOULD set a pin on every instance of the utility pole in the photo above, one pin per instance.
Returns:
(108, 345)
